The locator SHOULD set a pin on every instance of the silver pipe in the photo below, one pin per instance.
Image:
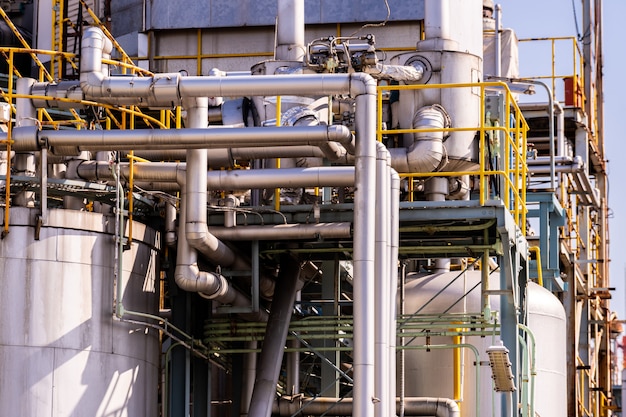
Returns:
(270, 359)
(560, 160)
(497, 41)
(290, 30)
(30, 139)
(170, 224)
(426, 151)
(25, 163)
(363, 255)
(414, 406)
(333, 176)
(284, 231)
(394, 244)
(381, 294)
(196, 230)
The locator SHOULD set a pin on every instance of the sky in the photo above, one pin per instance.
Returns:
(552, 18)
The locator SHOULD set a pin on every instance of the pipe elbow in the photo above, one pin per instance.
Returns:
(362, 83)
(91, 84)
(207, 284)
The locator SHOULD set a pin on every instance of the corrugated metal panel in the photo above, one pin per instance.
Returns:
(165, 14)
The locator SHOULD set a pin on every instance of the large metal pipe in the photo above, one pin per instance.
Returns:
(71, 142)
(394, 244)
(290, 30)
(334, 176)
(285, 231)
(417, 406)
(383, 290)
(270, 360)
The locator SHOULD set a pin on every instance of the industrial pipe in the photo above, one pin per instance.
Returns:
(416, 406)
(71, 142)
(284, 231)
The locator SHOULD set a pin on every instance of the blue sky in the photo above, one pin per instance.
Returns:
(551, 18)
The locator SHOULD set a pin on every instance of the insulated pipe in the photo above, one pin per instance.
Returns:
(416, 406)
(290, 30)
(74, 141)
(189, 277)
(196, 229)
(382, 304)
(333, 176)
(270, 359)
(249, 375)
(426, 152)
(394, 244)
(284, 231)
(436, 19)
(25, 164)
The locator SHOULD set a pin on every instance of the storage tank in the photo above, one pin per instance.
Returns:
(546, 319)
(431, 373)
(61, 350)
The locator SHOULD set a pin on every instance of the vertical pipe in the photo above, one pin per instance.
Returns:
(382, 303)
(394, 215)
(271, 357)
(497, 43)
(290, 30)
(249, 371)
(25, 115)
(436, 19)
(363, 255)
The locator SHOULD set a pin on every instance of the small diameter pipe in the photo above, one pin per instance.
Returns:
(533, 365)
(537, 252)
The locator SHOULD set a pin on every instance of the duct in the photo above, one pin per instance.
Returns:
(426, 152)
(284, 231)
(290, 31)
(416, 406)
(29, 139)
(270, 359)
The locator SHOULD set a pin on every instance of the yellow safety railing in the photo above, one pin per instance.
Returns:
(513, 175)
(574, 80)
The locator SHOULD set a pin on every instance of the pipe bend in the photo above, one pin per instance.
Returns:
(362, 83)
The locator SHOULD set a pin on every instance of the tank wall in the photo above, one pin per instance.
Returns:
(547, 321)
(430, 374)
(59, 344)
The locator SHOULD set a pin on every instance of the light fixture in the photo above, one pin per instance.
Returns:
(503, 378)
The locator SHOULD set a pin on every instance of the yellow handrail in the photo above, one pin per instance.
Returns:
(515, 172)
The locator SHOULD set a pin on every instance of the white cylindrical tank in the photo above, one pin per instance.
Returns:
(62, 353)
(547, 321)
(431, 373)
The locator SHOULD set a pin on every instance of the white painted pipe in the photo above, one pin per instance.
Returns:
(436, 19)
(394, 243)
(382, 303)
(290, 30)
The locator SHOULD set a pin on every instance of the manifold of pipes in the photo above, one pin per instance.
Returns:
(166, 90)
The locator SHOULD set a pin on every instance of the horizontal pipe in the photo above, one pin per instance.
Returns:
(234, 179)
(284, 231)
(413, 406)
(31, 139)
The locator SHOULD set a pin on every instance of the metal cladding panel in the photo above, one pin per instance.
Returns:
(59, 344)
(165, 14)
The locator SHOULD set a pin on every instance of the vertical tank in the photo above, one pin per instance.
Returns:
(62, 353)
(547, 321)
(431, 373)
